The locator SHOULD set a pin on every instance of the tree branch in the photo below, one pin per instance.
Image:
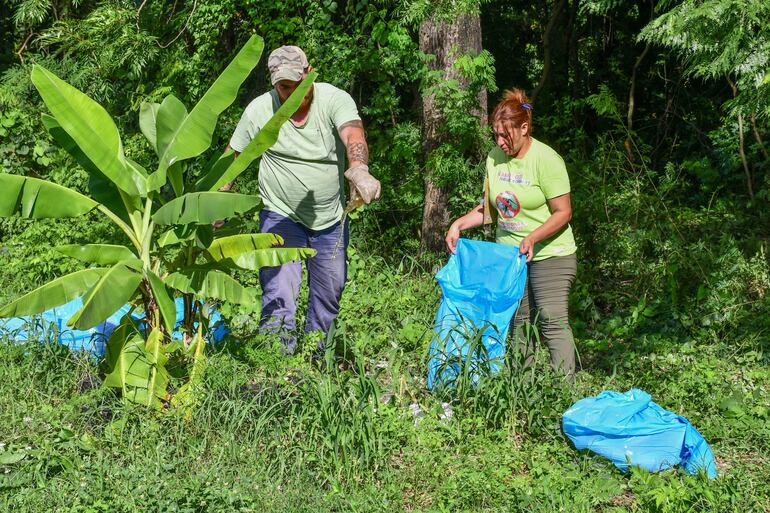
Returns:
(195, 4)
(742, 144)
(24, 46)
(138, 12)
(757, 137)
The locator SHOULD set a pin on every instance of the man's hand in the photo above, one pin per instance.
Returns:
(366, 186)
(362, 184)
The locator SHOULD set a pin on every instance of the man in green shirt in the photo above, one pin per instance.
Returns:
(301, 181)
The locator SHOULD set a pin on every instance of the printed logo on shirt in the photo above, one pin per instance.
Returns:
(512, 226)
(507, 176)
(508, 204)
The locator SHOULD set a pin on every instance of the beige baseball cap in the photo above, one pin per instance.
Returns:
(287, 63)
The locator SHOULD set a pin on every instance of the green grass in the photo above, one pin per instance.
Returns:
(275, 433)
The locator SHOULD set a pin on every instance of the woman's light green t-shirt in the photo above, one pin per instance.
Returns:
(519, 190)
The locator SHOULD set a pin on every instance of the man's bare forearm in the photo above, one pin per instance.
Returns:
(352, 134)
(358, 153)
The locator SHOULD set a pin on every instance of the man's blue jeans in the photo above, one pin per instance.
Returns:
(326, 271)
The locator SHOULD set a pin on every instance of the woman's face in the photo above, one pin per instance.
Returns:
(512, 139)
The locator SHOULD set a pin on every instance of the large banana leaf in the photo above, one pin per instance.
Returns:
(116, 358)
(171, 116)
(271, 257)
(54, 293)
(165, 303)
(159, 377)
(204, 207)
(131, 366)
(175, 178)
(148, 115)
(193, 135)
(102, 254)
(208, 282)
(227, 247)
(136, 167)
(90, 126)
(188, 394)
(111, 292)
(38, 199)
(202, 234)
(162, 119)
(99, 186)
(267, 136)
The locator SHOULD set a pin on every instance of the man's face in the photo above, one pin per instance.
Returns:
(284, 88)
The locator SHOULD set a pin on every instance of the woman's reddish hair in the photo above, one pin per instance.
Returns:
(513, 110)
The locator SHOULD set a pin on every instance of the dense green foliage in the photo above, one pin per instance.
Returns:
(661, 111)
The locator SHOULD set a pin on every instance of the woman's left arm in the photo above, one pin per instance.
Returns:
(561, 213)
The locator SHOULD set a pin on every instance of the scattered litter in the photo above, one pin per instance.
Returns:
(631, 430)
(448, 412)
(417, 412)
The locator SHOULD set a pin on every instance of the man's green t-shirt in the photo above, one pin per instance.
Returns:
(301, 175)
(519, 190)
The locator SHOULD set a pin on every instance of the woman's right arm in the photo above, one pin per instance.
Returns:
(472, 219)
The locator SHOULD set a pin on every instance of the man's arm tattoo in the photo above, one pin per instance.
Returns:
(358, 152)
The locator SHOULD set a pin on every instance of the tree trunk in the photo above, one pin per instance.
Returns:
(446, 41)
(629, 144)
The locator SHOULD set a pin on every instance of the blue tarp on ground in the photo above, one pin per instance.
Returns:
(630, 430)
(482, 285)
(54, 322)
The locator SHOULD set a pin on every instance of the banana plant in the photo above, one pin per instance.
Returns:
(166, 217)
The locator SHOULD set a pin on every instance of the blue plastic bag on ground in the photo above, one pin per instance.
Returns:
(482, 285)
(631, 430)
(93, 340)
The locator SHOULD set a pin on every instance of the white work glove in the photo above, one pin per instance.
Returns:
(362, 184)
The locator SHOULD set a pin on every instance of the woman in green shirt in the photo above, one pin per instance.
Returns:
(527, 194)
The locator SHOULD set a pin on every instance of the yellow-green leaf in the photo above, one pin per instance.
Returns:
(228, 247)
(210, 283)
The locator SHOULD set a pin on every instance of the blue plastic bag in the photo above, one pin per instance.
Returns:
(482, 285)
(631, 430)
(93, 340)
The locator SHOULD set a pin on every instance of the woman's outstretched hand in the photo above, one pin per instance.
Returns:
(527, 246)
(451, 238)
